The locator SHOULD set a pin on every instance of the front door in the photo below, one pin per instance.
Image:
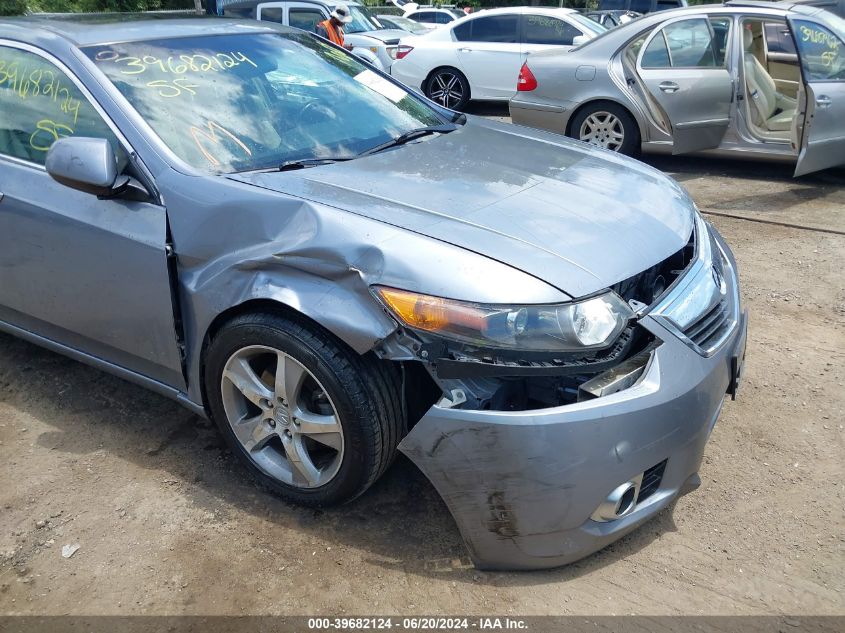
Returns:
(490, 55)
(822, 54)
(685, 70)
(87, 273)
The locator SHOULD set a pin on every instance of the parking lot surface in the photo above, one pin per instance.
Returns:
(167, 522)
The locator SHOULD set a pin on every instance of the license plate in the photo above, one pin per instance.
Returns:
(738, 359)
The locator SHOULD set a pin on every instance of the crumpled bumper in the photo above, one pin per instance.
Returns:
(523, 485)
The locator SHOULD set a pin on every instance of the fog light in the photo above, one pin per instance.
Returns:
(618, 503)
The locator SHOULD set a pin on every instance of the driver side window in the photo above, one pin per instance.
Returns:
(496, 28)
(541, 29)
(39, 104)
(822, 53)
(305, 19)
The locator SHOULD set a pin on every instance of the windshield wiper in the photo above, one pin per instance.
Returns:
(302, 163)
(410, 136)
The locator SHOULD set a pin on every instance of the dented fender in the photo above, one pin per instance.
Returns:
(313, 258)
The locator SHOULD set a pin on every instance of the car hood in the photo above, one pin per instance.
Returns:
(384, 35)
(577, 217)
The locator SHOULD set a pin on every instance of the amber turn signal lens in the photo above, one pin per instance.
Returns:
(430, 313)
(417, 311)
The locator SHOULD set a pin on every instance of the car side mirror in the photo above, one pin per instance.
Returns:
(580, 39)
(86, 164)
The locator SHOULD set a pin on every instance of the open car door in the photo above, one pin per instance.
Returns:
(822, 55)
(683, 66)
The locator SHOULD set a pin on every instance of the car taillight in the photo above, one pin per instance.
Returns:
(391, 51)
(526, 81)
(403, 51)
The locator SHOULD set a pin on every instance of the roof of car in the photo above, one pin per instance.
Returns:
(535, 10)
(252, 4)
(85, 29)
(799, 6)
(436, 9)
(613, 38)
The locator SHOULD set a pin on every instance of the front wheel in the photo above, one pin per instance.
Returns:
(311, 419)
(448, 87)
(607, 125)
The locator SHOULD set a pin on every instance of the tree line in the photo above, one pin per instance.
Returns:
(18, 7)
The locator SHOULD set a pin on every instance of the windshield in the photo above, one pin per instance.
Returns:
(624, 32)
(406, 24)
(590, 25)
(361, 21)
(231, 103)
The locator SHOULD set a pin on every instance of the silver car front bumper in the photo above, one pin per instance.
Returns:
(523, 485)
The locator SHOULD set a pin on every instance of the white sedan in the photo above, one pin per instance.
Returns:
(435, 18)
(479, 56)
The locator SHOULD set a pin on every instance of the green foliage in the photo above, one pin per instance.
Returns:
(12, 7)
(17, 7)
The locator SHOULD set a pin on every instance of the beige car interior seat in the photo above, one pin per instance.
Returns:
(771, 111)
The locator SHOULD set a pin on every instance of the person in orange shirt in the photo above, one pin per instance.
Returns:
(332, 29)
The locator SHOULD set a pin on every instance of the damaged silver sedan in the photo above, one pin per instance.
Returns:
(251, 221)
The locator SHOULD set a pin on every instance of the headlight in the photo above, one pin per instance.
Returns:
(568, 327)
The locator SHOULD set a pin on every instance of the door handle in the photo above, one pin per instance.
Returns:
(465, 50)
(823, 101)
(669, 86)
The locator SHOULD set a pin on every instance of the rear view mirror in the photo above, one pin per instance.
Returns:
(86, 164)
(580, 39)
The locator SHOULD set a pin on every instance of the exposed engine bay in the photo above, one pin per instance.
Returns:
(467, 376)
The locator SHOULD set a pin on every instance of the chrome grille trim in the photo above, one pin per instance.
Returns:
(717, 318)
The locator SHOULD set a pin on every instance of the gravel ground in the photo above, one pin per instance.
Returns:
(168, 523)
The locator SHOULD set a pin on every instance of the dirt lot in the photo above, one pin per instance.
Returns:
(168, 523)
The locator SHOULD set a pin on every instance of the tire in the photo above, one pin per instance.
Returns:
(604, 122)
(335, 419)
(448, 87)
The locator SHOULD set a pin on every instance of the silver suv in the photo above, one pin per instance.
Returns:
(369, 41)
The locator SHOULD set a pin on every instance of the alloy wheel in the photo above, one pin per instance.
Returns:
(446, 89)
(282, 416)
(603, 129)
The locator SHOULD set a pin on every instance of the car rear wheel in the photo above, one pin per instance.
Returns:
(311, 419)
(607, 125)
(448, 87)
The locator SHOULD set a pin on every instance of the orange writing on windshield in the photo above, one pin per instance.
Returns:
(201, 137)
